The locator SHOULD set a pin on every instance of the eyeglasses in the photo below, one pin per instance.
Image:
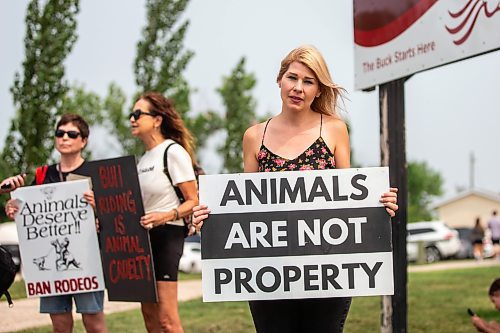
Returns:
(71, 134)
(137, 114)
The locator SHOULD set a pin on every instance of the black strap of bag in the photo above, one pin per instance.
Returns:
(178, 192)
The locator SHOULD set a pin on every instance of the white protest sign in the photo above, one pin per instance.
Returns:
(58, 239)
(285, 235)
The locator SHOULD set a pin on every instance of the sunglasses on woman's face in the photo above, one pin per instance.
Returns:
(137, 114)
(71, 134)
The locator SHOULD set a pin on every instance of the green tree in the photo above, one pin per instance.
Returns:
(161, 58)
(424, 184)
(114, 106)
(239, 115)
(85, 103)
(40, 90)
(159, 65)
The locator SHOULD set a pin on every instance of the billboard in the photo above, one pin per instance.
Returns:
(396, 38)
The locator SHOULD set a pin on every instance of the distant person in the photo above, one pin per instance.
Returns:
(494, 226)
(71, 137)
(480, 324)
(155, 121)
(476, 238)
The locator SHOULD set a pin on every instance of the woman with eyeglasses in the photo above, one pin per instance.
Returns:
(157, 124)
(71, 137)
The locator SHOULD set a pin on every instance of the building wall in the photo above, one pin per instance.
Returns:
(463, 212)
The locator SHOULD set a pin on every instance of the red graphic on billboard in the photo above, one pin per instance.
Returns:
(467, 17)
(378, 22)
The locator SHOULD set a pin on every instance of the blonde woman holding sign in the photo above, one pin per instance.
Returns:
(307, 134)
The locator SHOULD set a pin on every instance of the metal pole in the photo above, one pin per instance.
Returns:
(393, 154)
(472, 161)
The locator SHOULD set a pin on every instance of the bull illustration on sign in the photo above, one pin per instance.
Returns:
(64, 258)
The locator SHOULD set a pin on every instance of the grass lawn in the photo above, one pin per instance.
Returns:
(437, 302)
(17, 290)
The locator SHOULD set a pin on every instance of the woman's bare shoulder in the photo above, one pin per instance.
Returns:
(254, 133)
(334, 124)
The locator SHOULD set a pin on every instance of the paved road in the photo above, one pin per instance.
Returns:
(25, 314)
(453, 264)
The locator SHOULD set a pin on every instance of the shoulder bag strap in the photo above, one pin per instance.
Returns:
(165, 171)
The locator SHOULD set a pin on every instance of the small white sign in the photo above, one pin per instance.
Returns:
(58, 239)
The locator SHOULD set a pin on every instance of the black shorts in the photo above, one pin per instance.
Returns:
(167, 244)
(495, 240)
(300, 315)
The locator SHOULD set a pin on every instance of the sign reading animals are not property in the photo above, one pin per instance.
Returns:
(286, 235)
(58, 239)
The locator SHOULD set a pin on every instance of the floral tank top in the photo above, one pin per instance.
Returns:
(317, 157)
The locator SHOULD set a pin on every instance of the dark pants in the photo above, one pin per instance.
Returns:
(314, 315)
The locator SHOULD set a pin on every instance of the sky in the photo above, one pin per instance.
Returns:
(451, 111)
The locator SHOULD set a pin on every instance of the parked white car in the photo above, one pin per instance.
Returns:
(439, 240)
(191, 258)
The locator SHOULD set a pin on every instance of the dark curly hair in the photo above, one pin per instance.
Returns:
(172, 125)
(495, 286)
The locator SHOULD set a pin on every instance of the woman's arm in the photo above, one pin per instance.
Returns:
(190, 193)
(11, 183)
(251, 147)
(483, 326)
(337, 139)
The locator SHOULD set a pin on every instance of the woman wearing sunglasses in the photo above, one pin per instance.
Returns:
(71, 136)
(158, 125)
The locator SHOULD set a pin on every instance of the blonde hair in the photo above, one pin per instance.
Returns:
(309, 56)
